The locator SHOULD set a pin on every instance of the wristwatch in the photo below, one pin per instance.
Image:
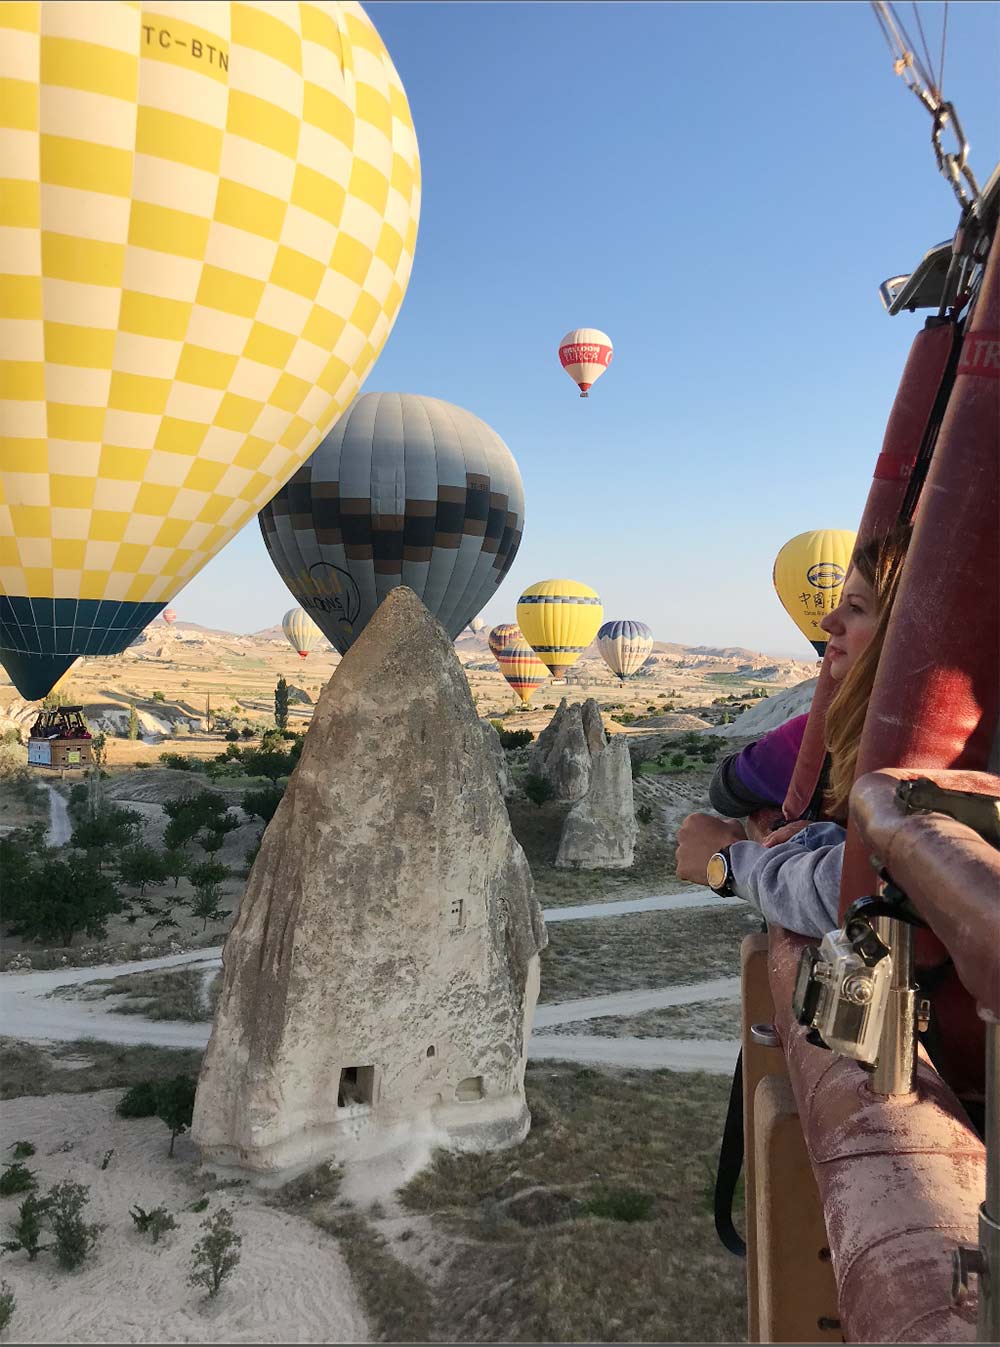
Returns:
(719, 874)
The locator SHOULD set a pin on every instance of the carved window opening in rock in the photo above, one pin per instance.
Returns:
(456, 913)
(469, 1089)
(357, 1086)
(430, 1051)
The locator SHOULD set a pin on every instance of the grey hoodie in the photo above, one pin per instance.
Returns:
(797, 883)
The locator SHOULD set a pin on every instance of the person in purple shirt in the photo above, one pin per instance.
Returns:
(758, 776)
(794, 881)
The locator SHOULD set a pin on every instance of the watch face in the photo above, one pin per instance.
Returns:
(717, 871)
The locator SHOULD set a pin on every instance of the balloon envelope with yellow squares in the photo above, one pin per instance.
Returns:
(207, 225)
(809, 575)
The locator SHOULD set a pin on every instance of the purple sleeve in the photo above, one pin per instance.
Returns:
(766, 767)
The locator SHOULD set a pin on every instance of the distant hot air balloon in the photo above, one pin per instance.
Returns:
(169, 617)
(522, 668)
(503, 635)
(300, 631)
(809, 574)
(405, 490)
(585, 353)
(208, 219)
(559, 619)
(625, 646)
(477, 625)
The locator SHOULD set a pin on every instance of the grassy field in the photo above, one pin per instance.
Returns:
(701, 1019)
(542, 1247)
(160, 994)
(648, 949)
(86, 1065)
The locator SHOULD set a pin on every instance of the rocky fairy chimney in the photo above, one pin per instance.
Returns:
(381, 977)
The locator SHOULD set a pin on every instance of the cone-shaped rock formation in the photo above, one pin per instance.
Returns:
(380, 980)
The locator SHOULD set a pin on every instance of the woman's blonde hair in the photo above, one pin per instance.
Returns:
(879, 562)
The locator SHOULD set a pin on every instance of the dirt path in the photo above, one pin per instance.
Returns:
(635, 1003)
(675, 1054)
(60, 829)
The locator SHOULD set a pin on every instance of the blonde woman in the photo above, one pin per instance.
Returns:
(795, 881)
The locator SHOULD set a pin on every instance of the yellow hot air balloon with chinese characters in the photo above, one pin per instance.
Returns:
(809, 574)
(559, 619)
(207, 225)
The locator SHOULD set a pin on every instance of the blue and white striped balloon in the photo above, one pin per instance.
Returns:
(625, 646)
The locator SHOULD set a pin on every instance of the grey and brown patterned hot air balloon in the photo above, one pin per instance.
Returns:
(405, 490)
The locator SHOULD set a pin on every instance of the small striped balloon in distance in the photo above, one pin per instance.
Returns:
(207, 224)
(405, 490)
(585, 353)
(522, 668)
(808, 576)
(624, 646)
(503, 635)
(559, 619)
(300, 630)
(169, 616)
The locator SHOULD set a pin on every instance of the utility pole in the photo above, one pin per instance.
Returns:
(208, 711)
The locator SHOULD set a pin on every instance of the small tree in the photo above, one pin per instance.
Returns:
(133, 723)
(141, 865)
(175, 864)
(538, 789)
(206, 879)
(139, 1101)
(263, 803)
(175, 1105)
(216, 1254)
(74, 1237)
(281, 704)
(60, 899)
(26, 1230)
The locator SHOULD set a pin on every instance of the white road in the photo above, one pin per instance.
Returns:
(60, 829)
(670, 902)
(30, 1011)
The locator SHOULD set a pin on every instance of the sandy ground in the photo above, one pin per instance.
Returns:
(291, 1284)
(60, 829)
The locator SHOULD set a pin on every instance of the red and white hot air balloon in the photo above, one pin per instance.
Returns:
(585, 353)
(170, 617)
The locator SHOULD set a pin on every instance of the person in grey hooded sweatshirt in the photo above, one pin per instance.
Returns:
(793, 877)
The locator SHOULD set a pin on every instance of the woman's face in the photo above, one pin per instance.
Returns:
(850, 626)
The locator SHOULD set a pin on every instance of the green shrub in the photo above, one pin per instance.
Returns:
(27, 1229)
(232, 736)
(139, 1101)
(155, 1222)
(216, 1255)
(644, 813)
(620, 1204)
(22, 1149)
(74, 1237)
(7, 1304)
(17, 1178)
(514, 738)
(158, 697)
(538, 789)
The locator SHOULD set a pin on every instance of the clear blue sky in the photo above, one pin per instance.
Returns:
(721, 187)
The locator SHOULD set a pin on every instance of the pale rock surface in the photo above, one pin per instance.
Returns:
(770, 713)
(600, 830)
(499, 759)
(380, 979)
(564, 751)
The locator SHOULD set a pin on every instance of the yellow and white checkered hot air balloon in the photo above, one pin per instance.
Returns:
(207, 225)
(559, 619)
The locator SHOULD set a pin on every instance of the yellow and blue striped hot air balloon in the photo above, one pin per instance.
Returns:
(559, 619)
(207, 224)
(809, 574)
(503, 635)
(521, 667)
